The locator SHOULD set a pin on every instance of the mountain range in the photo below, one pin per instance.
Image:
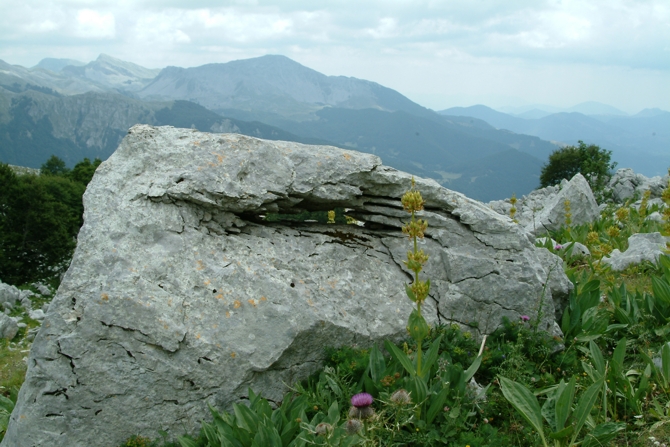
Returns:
(641, 141)
(74, 110)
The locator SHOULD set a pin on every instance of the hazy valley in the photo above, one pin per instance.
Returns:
(76, 110)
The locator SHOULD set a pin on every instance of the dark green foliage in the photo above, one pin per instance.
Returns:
(54, 166)
(591, 161)
(83, 171)
(40, 216)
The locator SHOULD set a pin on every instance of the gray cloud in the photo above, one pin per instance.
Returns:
(407, 45)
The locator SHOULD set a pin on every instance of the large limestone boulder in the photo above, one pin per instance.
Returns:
(626, 184)
(543, 210)
(641, 247)
(181, 294)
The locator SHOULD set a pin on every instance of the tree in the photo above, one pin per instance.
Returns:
(54, 166)
(40, 216)
(591, 161)
(84, 170)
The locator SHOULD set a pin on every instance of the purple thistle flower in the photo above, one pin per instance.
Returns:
(361, 400)
(558, 247)
(525, 318)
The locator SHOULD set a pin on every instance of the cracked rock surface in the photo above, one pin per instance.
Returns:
(180, 293)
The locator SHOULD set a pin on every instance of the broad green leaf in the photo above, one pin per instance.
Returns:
(400, 356)
(615, 327)
(661, 289)
(418, 328)
(619, 355)
(585, 338)
(333, 414)
(436, 405)
(549, 412)
(524, 402)
(246, 418)
(597, 357)
(564, 397)
(565, 322)
(6, 404)
(186, 442)
(643, 385)
(585, 405)
(467, 375)
(562, 434)
(603, 434)
(430, 357)
(418, 389)
(377, 365)
(410, 294)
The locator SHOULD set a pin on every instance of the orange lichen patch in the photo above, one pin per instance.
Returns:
(232, 355)
(252, 302)
(170, 302)
(104, 297)
(165, 326)
(227, 314)
(332, 283)
(207, 282)
(310, 302)
(346, 157)
(219, 296)
(237, 304)
(200, 266)
(263, 298)
(197, 336)
(196, 143)
(214, 326)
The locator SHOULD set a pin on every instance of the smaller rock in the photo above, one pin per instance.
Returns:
(8, 327)
(37, 315)
(655, 217)
(21, 325)
(626, 184)
(27, 304)
(9, 293)
(579, 249)
(641, 247)
(42, 289)
(7, 305)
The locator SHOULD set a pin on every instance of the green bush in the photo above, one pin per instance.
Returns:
(591, 161)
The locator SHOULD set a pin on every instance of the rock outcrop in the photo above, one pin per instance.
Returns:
(544, 210)
(641, 247)
(626, 184)
(180, 293)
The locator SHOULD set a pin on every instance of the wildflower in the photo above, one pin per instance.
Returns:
(361, 408)
(353, 426)
(401, 397)
(525, 318)
(331, 217)
(323, 429)
(558, 247)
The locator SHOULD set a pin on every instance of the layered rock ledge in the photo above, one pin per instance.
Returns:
(181, 294)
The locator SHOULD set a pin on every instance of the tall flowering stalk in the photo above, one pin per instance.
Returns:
(412, 202)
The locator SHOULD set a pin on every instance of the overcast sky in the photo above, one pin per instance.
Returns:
(438, 53)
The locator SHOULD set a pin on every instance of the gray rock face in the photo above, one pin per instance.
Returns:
(641, 247)
(625, 184)
(544, 209)
(9, 294)
(8, 327)
(180, 293)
